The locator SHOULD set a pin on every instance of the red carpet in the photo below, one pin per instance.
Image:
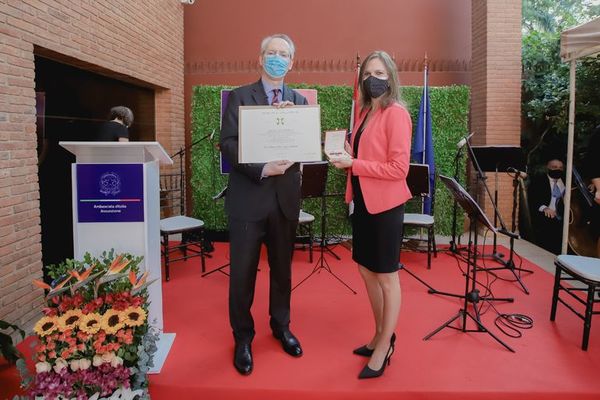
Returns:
(330, 321)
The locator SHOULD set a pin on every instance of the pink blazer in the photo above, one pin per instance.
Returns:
(383, 159)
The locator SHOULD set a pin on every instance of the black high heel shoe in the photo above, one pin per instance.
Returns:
(367, 352)
(368, 373)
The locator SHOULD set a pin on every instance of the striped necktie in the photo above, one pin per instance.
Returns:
(275, 96)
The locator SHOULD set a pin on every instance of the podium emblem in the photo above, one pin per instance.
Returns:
(110, 184)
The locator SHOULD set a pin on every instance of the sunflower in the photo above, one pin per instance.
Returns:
(112, 321)
(70, 319)
(45, 326)
(90, 323)
(134, 316)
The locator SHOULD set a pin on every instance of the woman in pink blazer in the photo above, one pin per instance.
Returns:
(377, 186)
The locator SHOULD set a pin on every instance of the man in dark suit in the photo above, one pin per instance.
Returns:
(592, 172)
(263, 203)
(545, 194)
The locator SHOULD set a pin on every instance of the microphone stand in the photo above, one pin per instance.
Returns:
(506, 264)
(453, 245)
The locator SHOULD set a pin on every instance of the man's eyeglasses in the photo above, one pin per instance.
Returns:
(283, 54)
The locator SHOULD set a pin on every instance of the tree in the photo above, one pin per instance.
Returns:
(545, 88)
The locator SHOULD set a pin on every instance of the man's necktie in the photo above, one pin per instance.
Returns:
(275, 96)
(556, 192)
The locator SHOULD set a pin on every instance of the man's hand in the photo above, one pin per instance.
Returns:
(283, 104)
(597, 197)
(550, 213)
(276, 167)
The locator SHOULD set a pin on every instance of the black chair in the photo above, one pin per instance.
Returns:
(174, 221)
(584, 273)
(418, 183)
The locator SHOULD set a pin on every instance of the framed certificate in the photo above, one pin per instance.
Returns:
(268, 133)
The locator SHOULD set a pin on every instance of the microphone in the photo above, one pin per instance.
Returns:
(464, 141)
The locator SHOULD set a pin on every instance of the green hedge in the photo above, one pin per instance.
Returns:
(449, 110)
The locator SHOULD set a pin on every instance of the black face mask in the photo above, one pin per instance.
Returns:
(375, 87)
(555, 173)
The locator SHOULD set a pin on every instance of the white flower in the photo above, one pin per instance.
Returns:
(74, 365)
(108, 357)
(42, 367)
(60, 364)
(97, 361)
(116, 362)
(84, 364)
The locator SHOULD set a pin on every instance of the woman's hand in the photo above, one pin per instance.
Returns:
(342, 163)
(348, 148)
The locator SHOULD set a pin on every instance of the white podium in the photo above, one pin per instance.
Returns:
(116, 205)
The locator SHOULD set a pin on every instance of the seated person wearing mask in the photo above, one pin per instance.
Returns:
(545, 193)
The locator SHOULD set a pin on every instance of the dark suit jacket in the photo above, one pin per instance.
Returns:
(249, 197)
(539, 193)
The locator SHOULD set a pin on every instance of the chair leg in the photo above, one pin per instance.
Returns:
(166, 247)
(589, 308)
(433, 241)
(310, 243)
(184, 239)
(202, 251)
(429, 248)
(557, 275)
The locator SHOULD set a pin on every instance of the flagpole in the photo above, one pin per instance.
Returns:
(426, 99)
(353, 111)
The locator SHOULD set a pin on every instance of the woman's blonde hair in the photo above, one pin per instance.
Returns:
(392, 94)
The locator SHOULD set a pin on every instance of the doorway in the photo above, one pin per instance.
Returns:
(71, 105)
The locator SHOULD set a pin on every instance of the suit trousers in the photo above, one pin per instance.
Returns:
(246, 237)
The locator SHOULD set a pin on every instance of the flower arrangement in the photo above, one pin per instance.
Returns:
(94, 337)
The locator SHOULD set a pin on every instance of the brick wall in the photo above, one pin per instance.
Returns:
(496, 85)
(137, 41)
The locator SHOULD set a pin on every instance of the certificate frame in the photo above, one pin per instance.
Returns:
(267, 133)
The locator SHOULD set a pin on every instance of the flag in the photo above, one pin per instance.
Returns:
(423, 141)
(355, 105)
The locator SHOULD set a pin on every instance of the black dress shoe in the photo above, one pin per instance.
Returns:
(290, 343)
(367, 352)
(242, 358)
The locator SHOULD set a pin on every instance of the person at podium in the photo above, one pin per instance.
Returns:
(116, 129)
(545, 193)
(377, 185)
(263, 204)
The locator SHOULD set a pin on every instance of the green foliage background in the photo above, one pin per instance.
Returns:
(449, 111)
(545, 91)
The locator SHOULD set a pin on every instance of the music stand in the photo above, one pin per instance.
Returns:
(471, 295)
(503, 159)
(314, 185)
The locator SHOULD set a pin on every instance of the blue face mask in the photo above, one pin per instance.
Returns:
(276, 66)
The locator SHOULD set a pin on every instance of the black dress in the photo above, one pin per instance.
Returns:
(376, 238)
